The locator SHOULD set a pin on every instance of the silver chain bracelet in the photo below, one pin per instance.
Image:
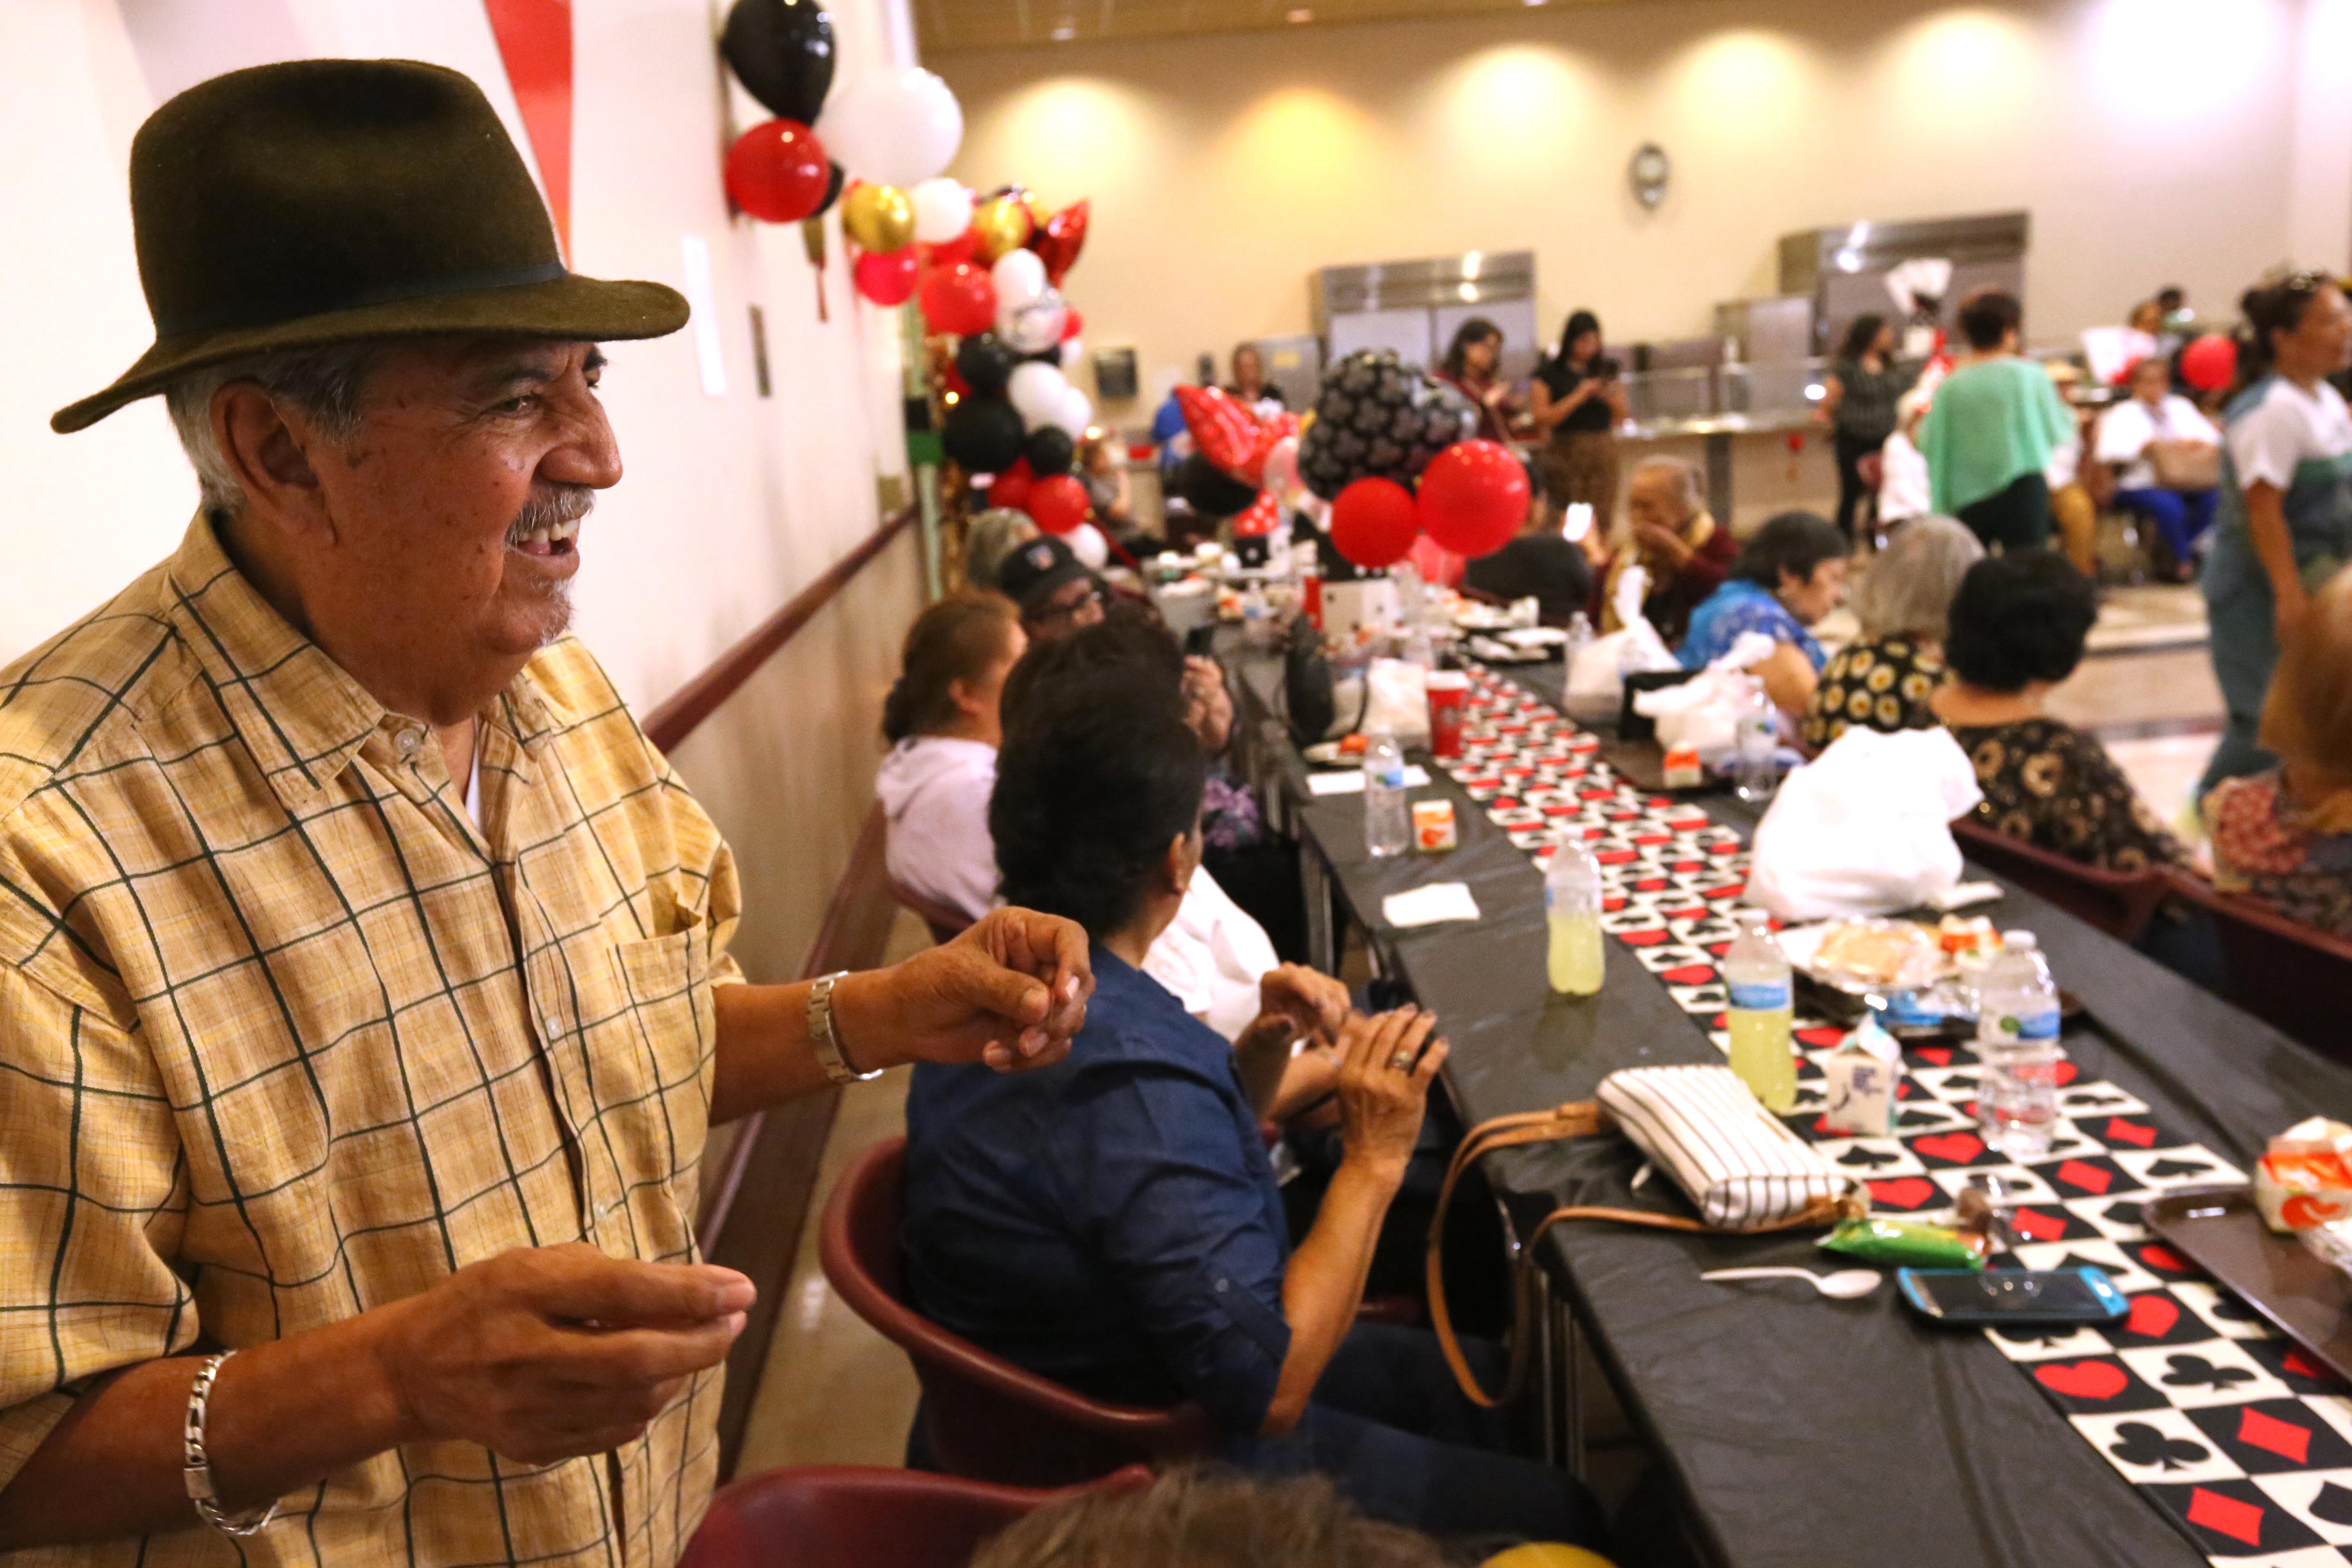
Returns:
(196, 1468)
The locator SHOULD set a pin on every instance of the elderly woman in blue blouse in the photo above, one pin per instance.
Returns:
(1113, 1221)
(1788, 576)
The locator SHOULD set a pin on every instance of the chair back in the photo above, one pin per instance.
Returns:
(946, 923)
(857, 1516)
(2293, 977)
(2119, 903)
(981, 1416)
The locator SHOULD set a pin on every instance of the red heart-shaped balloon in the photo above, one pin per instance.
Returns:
(1059, 240)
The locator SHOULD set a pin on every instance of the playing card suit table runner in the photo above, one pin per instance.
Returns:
(2222, 1425)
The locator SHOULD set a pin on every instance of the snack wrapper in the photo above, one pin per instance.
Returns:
(1911, 1244)
(2306, 1178)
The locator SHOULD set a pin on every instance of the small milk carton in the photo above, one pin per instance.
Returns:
(2305, 1177)
(1859, 1080)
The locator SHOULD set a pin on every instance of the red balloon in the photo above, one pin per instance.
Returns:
(1013, 486)
(962, 247)
(1474, 497)
(1059, 503)
(1226, 433)
(1259, 521)
(886, 278)
(958, 299)
(778, 171)
(2210, 362)
(1059, 240)
(1374, 522)
(1072, 324)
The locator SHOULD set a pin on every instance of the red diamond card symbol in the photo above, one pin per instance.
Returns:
(2163, 1259)
(2118, 1131)
(2035, 1225)
(1939, 1054)
(1689, 975)
(2285, 1438)
(2226, 1516)
(2088, 1178)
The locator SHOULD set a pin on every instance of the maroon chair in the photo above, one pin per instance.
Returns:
(946, 924)
(2293, 977)
(857, 1516)
(2119, 903)
(981, 1416)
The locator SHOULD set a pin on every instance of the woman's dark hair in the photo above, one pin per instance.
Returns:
(1860, 333)
(956, 640)
(1097, 774)
(1579, 323)
(2271, 308)
(1476, 330)
(1796, 543)
(1988, 316)
(2018, 618)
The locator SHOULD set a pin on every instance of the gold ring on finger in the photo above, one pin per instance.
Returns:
(1402, 1061)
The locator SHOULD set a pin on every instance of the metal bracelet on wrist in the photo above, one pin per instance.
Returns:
(823, 1040)
(196, 1468)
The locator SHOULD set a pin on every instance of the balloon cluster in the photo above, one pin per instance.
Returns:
(1382, 426)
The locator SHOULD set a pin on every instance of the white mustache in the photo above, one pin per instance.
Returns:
(564, 503)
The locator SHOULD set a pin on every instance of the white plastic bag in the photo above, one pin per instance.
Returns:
(1399, 700)
(1866, 829)
(1596, 675)
(1705, 712)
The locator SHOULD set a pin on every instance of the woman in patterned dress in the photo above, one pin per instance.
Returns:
(2017, 629)
(1883, 679)
(2285, 835)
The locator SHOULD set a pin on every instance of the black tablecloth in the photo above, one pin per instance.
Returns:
(1806, 1433)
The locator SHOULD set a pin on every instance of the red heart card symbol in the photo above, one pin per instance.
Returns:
(1684, 915)
(1728, 890)
(2067, 1073)
(2152, 1315)
(1689, 868)
(1689, 975)
(1654, 839)
(1959, 1148)
(1822, 1039)
(1941, 1055)
(1724, 849)
(2163, 1259)
(1610, 906)
(1719, 948)
(1641, 938)
(2083, 1379)
(1903, 1191)
(2300, 1366)
(1614, 856)
(1651, 884)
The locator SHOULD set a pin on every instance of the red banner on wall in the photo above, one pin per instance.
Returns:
(535, 42)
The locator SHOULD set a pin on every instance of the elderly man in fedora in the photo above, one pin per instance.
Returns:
(365, 998)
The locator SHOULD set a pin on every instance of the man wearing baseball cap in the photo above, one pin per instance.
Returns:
(1057, 592)
(364, 995)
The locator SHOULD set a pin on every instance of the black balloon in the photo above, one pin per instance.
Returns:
(1377, 417)
(782, 51)
(831, 191)
(986, 362)
(1212, 492)
(983, 435)
(1050, 450)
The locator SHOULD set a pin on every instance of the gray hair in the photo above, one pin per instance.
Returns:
(1685, 473)
(1906, 592)
(324, 383)
(993, 535)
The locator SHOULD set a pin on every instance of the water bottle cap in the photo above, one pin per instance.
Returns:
(2019, 939)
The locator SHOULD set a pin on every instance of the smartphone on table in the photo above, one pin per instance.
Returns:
(1968, 1298)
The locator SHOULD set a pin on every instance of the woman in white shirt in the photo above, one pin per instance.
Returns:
(941, 720)
(2154, 413)
(2285, 522)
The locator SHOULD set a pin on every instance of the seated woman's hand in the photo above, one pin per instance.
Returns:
(1304, 1001)
(1386, 1063)
(1208, 706)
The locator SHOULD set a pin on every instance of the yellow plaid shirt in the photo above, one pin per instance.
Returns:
(283, 1035)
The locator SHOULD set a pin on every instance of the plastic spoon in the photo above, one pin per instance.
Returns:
(1844, 1285)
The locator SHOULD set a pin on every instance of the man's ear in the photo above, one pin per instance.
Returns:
(269, 458)
(1181, 863)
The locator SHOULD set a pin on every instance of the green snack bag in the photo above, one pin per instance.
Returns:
(1910, 1243)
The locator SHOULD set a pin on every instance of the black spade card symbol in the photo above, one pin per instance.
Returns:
(2230, 1308)
(1868, 1159)
(1920, 1118)
(2144, 1445)
(2196, 1372)
(2125, 1212)
(2035, 1336)
(2333, 1504)
(2178, 1168)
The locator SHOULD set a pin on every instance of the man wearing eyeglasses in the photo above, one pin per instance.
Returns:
(1057, 592)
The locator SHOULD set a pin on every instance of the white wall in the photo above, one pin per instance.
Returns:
(2152, 140)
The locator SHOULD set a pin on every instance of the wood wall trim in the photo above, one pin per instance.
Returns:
(675, 718)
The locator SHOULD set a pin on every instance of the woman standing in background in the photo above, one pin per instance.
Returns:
(1992, 429)
(2284, 521)
(1469, 368)
(1858, 398)
(1578, 401)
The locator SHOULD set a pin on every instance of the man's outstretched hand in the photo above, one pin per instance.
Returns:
(1011, 991)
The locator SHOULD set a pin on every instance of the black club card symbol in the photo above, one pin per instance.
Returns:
(2035, 1336)
(1868, 1159)
(2333, 1503)
(2144, 1446)
(2196, 1372)
(2178, 1168)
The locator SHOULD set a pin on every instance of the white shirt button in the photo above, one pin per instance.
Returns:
(410, 739)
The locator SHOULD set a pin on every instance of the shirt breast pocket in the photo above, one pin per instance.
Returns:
(661, 1042)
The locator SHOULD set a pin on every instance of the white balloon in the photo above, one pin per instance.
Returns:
(1033, 326)
(942, 210)
(1038, 392)
(1073, 350)
(1020, 278)
(1088, 543)
(894, 127)
(1076, 413)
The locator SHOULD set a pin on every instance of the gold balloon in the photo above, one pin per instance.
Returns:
(878, 217)
(1040, 212)
(1002, 225)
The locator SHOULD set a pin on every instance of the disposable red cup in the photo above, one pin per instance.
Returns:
(1448, 691)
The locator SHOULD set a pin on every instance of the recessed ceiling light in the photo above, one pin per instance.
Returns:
(1064, 33)
(1298, 14)
(1535, 2)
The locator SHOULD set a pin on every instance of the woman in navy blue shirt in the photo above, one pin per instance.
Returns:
(1112, 1221)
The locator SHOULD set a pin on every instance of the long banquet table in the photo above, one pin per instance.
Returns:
(1801, 1432)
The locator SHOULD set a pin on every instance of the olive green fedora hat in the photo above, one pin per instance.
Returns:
(325, 201)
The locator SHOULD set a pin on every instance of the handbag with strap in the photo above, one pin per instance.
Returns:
(1738, 1165)
(2185, 465)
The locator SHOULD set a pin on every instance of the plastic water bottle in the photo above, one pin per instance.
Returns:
(1257, 622)
(1572, 912)
(1755, 772)
(1579, 637)
(1388, 824)
(1762, 1014)
(2017, 1050)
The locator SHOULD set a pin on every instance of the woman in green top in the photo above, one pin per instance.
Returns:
(1991, 429)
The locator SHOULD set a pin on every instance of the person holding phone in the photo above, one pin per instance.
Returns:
(1578, 400)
